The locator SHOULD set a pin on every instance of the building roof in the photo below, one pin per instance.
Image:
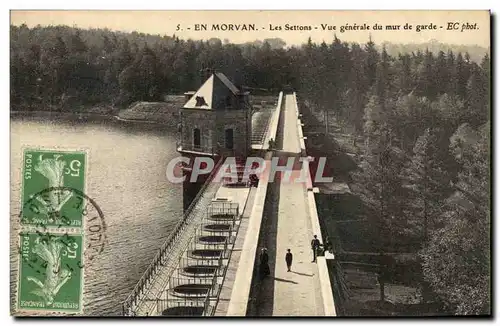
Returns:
(227, 82)
(204, 96)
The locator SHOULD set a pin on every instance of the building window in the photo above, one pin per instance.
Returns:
(196, 137)
(229, 101)
(229, 139)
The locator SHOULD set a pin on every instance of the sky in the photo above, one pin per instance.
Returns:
(475, 24)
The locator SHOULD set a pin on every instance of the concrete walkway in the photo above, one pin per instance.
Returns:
(232, 268)
(296, 293)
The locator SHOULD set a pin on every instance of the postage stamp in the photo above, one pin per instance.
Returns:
(50, 273)
(44, 169)
(62, 231)
(93, 226)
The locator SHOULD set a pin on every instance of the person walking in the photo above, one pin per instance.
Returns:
(289, 259)
(315, 244)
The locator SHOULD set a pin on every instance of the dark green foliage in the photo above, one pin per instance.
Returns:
(457, 259)
(428, 180)
(57, 67)
(62, 68)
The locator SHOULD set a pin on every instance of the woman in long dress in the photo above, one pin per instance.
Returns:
(264, 263)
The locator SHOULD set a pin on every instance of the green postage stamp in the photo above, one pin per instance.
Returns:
(51, 239)
(48, 180)
(50, 273)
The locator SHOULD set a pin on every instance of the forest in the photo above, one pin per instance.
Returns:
(423, 116)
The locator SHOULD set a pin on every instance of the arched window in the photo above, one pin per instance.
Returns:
(196, 137)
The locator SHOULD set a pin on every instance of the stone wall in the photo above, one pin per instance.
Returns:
(213, 125)
(153, 112)
(201, 119)
(240, 121)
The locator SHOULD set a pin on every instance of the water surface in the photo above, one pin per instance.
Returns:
(126, 178)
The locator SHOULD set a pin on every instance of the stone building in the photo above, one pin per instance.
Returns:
(215, 122)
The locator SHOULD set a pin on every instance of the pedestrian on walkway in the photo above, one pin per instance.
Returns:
(264, 269)
(271, 144)
(289, 259)
(328, 245)
(315, 244)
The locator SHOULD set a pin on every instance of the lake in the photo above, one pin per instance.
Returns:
(126, 178)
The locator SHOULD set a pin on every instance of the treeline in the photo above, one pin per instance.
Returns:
(425, 157)
(475, 52)
(60, 67)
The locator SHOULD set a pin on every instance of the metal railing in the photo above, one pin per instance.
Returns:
(223, 207)
(185, 260)
(260, 129)
(163, 252)
(164, 304)
(171, 300)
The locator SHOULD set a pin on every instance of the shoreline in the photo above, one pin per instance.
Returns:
(58, 114)
(142, 121)
(80, 116)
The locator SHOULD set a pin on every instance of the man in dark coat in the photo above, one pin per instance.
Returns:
(288, 259)
(264, 263)
(328, 245)
(315, 244)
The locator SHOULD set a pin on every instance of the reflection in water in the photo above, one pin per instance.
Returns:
(126, 178)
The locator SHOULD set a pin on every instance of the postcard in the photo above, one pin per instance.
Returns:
(250, 163)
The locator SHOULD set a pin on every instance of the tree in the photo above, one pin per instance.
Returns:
(463, 75)
(378, 184)
(478, 96)
(429, 183)
(452, 84)
(426, 84)
(356, 90)
(54, 69)
(404, 75)
(383, 79)
(128, 91)
(442, 73)
(371, 61)
(148, 78)
(451, 110)
(456, 263)
(76, 44)
(408, 119)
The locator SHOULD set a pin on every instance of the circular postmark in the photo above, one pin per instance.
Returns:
(61, 221)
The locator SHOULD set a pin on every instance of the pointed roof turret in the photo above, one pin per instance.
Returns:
(215, 86)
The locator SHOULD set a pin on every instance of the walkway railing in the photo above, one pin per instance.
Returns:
(242, 282)
(324, 278)
(212, 294)
(143, 285)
